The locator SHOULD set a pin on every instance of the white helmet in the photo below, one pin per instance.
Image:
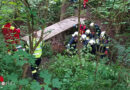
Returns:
(83, 37)
(91, 42)
(75, 34)
(87, 31)
(92, 24)
(103, 33)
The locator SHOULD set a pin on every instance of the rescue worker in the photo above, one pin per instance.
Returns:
(11, 36)
(73, 41)
(37, 54)
(83, 39)
(88, 36)
(92, 44)
(88, 33)
(103, 35)
(82, 28)
(103, 49)
(96, 28)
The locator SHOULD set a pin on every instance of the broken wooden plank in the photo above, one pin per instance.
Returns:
(57, 28)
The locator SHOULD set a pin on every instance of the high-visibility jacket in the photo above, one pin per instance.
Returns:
(38, 51)
(11, 34)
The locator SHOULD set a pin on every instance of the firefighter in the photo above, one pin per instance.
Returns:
(37, 54)
(82, 28)
(92, 44)
(103, 35)
(92, 30)
(88, 33)
(96, 30)
(73, 41)
(83, 39)
(11, 36)
(88, 36)
(103, 44)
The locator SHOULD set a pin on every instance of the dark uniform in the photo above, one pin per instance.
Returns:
(72, 43)
(103, 47)
(97, 30)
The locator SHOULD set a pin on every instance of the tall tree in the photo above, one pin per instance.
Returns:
(30, 24)
(79, 11)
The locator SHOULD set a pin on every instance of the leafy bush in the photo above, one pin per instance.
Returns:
(11, 68)
(49, 81)
(83, 74)
(47, 50)
(122, 52)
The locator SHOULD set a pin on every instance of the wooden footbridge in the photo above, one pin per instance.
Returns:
(57, 28)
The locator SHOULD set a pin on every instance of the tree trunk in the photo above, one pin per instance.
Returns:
(79, 10)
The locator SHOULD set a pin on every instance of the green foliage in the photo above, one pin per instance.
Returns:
(114, 11)
(54, 11)
(122, 52)
(11, 69)
(11, 66)
(49, 81)
(47, 50)
(8, 10)
(84, 74)
(35, 86)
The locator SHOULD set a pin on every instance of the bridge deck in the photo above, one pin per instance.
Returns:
(57, 28)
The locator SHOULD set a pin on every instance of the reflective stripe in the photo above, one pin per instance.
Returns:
(37, 53)
(38, 48)
(34, 71)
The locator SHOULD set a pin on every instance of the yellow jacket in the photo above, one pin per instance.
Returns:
(38, 51)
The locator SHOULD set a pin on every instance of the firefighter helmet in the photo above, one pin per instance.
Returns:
(75, 34)
(87, 31)
(83, 37)
(92, 24)
(91, 42)
(103, 33)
